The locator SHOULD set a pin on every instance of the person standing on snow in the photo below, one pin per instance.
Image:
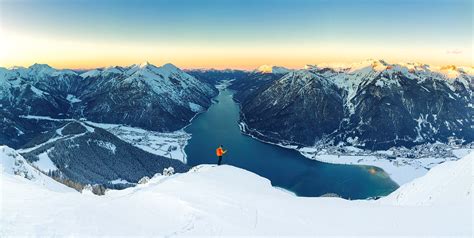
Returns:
(220, 152)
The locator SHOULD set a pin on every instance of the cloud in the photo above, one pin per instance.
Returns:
(454, 52)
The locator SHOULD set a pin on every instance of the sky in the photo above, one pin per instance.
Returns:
(82, 34)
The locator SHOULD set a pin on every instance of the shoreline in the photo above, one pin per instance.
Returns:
(223, 85)
(400, 170)
(178, 136)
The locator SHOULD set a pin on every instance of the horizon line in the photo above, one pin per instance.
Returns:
(236, 68)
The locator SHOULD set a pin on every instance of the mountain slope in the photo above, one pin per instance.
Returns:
(251, 85)
(12, 164)
(448, 184)
(90, 155)
(237, 202)
(271, 113)
(372, 105)
(156, 98)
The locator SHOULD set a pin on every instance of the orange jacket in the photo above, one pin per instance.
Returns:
(220, 151)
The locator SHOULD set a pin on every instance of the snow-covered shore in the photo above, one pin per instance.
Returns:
(227, 201)
(400, 169)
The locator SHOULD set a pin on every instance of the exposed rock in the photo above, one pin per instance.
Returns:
(372, 105)
(144, 180)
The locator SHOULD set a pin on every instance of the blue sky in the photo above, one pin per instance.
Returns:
(272, 32)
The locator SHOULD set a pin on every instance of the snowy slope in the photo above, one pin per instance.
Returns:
(226, 200)
(447, 184)
(15, 167)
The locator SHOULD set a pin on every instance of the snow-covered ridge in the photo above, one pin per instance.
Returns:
(165, 79)
(225, 200)
(350, 76)
(164, 70)
(37, 70)
(382, 65)
(272, 69)
(144, 90)
(363, 98)
(365, 68)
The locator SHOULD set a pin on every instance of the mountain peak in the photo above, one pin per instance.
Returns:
(37, 66)
(40, 69)
(170, 67)
(372, 62)
(144, 64)
(448, 67)
(272, 69)
(40, 65)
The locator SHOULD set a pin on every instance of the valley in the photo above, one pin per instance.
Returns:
(206, 120)
(285, 168)
(255, 118)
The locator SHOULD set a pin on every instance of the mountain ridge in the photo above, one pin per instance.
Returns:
(155, 98)
(420, 105)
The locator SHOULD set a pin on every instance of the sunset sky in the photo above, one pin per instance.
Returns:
(233, 34)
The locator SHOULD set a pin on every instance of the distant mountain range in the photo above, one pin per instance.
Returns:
(212, 76)
(271, 69)
(371, 104)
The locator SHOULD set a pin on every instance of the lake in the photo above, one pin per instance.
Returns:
(285, 168)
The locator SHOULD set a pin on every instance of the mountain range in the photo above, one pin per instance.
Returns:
(371, 104)
(143, 95)
(60, 120)
(47, 114)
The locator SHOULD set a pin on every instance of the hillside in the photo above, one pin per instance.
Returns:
(373, 105)
(163, 98)
(226, 200)
(88, 154)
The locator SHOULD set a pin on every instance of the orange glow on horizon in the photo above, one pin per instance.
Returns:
(25, 50)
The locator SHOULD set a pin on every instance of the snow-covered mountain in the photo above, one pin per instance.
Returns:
(48, 113)
(271, 69)
(227, 201)
(371, 104)
(156, 98)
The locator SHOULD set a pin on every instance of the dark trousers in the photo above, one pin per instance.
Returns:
(220, 160)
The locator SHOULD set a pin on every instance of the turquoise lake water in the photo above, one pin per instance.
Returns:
(285, 168)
